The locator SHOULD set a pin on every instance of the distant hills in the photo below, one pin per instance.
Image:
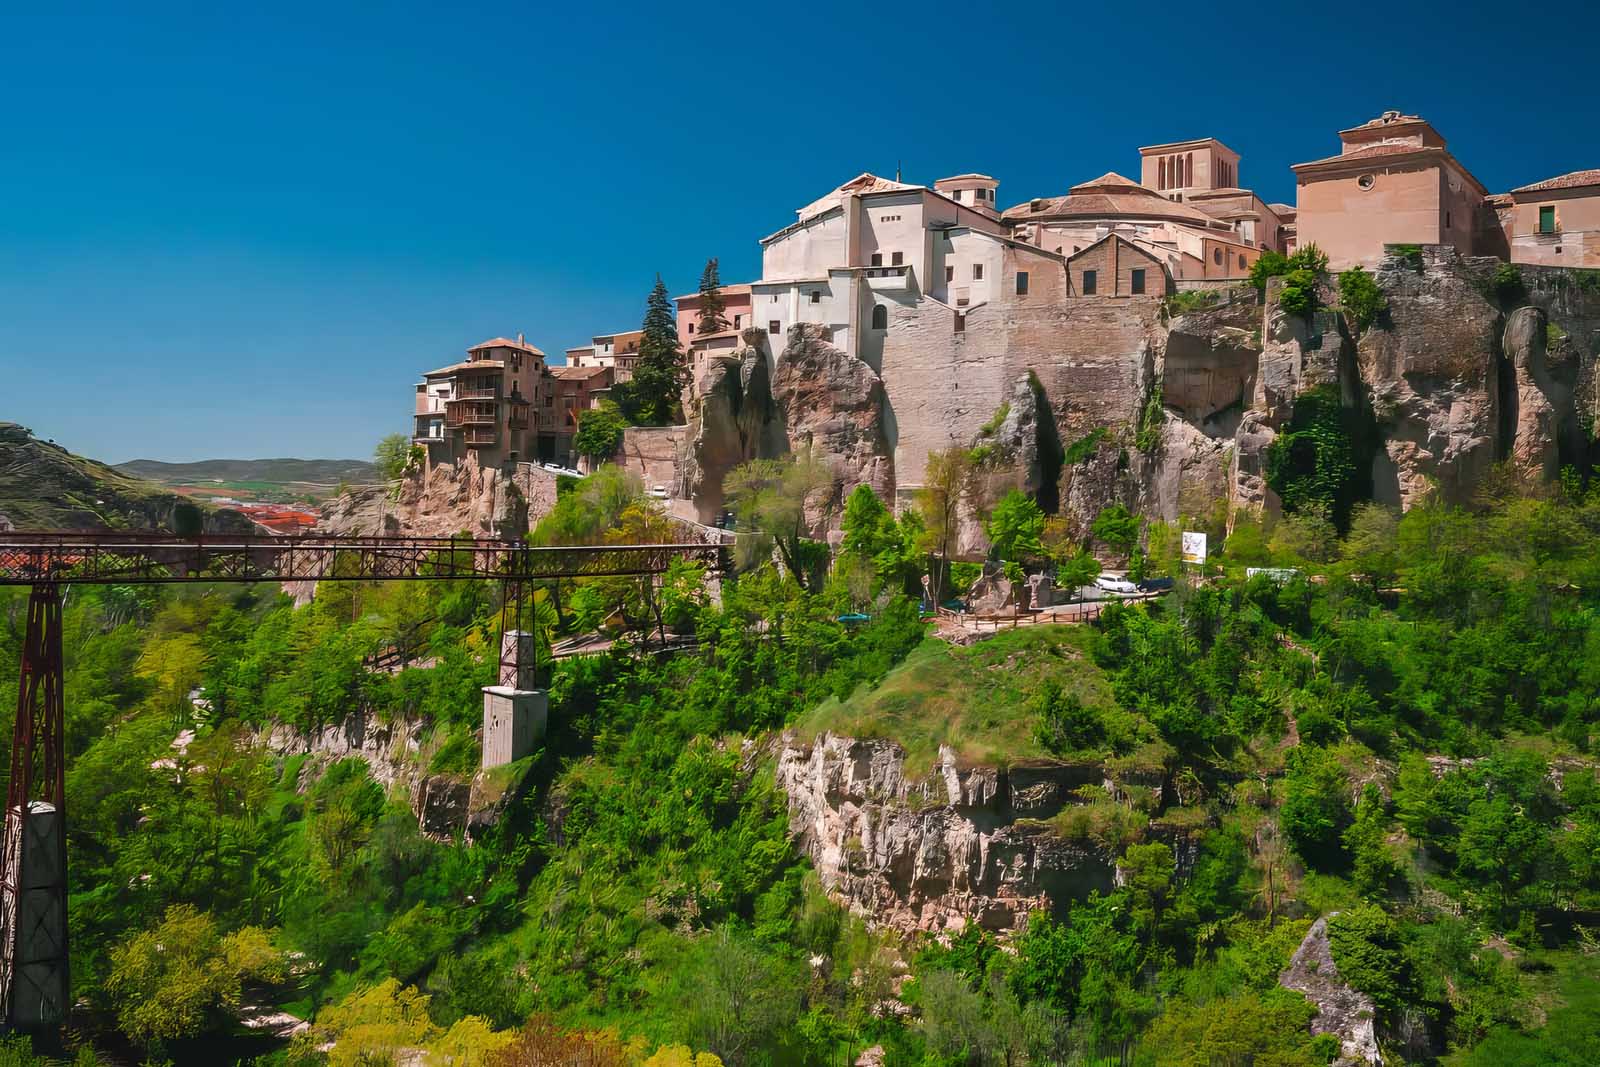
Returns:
(325, 472)
(45, 487)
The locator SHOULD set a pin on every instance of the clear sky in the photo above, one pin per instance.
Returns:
(228, 232)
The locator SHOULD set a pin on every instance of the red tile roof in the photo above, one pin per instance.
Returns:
(578, 373)
(506, 342)
(1381, 148)
(475, 364)
(1578, 179)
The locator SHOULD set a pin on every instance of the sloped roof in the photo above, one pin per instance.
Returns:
(742, 289)
(865, 182)
(506, 342)
(1111, 181)
(1578, 179)
(578, 373)
(1372, 151)
(1127, 200)
(474, 364)
(965, 177)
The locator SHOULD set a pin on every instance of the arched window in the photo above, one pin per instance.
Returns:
(880, 317)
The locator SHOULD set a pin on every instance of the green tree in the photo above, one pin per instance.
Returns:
(1117, 529)
(169, 981)
(654, 396)
(391, 455)
(780, 500)
(1316, 808)
(1361, 298)
(1014, 528)
(1077, 571)
(944, 482)
(713, 317)
(599, 433)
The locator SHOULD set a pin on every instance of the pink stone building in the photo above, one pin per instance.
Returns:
(485, 404)
(1553, 223)
(1393, 182)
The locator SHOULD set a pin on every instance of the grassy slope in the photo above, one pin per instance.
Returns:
(973, 699)
(43, 486)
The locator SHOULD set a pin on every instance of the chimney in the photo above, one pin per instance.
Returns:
(520, 341)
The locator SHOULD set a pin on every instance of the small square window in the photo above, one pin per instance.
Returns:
(961, 323)
(897, 258)
(1138, 280)
(1089, 280)
(738, 320)
(772, 327)
(1022, 283)
(816, 297)
(691, 327)
(977, 272)
(877, 259)
(949, 274)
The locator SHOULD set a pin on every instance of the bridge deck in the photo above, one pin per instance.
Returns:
(139, 558)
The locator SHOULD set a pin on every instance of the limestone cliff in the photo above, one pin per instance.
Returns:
(1342, 1011)
(397, 753)
(447, 499)
(1110, 401)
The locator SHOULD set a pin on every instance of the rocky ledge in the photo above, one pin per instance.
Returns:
(963, 844)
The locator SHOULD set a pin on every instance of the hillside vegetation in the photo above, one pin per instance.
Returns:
(1408, 741)
(45, 487)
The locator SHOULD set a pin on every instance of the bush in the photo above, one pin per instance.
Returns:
(1360, 297)
(1507, 284)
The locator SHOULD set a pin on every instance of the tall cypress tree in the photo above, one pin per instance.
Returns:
(659, 375)
(712, 317)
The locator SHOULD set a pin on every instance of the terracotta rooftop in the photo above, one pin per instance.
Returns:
(1110, 181)
(1196, 143)
(1382, 148)
(1578, 179)
(474, 364)
(1283, 209)
(1136, 201)
(578, 373)
(506, 342)
(1227, 190)
(742, 289)
(1390, 119)
(625, 335)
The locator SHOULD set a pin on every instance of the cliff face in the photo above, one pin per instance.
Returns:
(929, 854)
(445, 500)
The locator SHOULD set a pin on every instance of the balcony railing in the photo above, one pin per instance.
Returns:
(481, 437)
(471, 413)
(489, 393)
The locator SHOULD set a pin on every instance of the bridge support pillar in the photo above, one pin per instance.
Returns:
(513, 723)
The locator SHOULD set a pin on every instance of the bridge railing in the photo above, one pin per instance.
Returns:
(132, 558)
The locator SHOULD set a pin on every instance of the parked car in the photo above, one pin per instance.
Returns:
(1156, 585)
(659, 492)
(1115, 583)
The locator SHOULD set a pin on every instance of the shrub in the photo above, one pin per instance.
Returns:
(1175, 304)
(1410, 255)
(1360, 297)
(1507, 284)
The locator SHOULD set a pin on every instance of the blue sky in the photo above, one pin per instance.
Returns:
(229, 232)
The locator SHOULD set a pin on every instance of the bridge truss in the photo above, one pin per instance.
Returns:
(34, 988)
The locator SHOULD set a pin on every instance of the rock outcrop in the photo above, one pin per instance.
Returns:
(1541, 407)
(396, 753)
(963, 845)
(832, 403)
(1432, 378)
(445, 500)
(1342, 1011)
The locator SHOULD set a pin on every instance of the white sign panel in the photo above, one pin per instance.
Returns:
(1194, 547)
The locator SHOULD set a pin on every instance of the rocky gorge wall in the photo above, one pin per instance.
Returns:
(447, 499)
(1175, 416)
(962, 844)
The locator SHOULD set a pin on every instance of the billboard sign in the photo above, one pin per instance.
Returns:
(1194, 547)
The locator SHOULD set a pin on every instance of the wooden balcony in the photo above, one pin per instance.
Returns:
(481, 436)
(459, 413)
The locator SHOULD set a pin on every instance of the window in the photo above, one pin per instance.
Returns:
(1088, 282)
(1216, 256)
(877, 259)
(897, 258)
(949, 274)
(1547, 218)
(691, 327)
(961, 323)
(1447, 220)
(1138, 280)
(738, 320)
(1367, 181)
(1022, 283)
(774, 298)
(977, 272)
(1244, 264)
(772, 327)
(880, 317)
(1058, 250)
(816, 297)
